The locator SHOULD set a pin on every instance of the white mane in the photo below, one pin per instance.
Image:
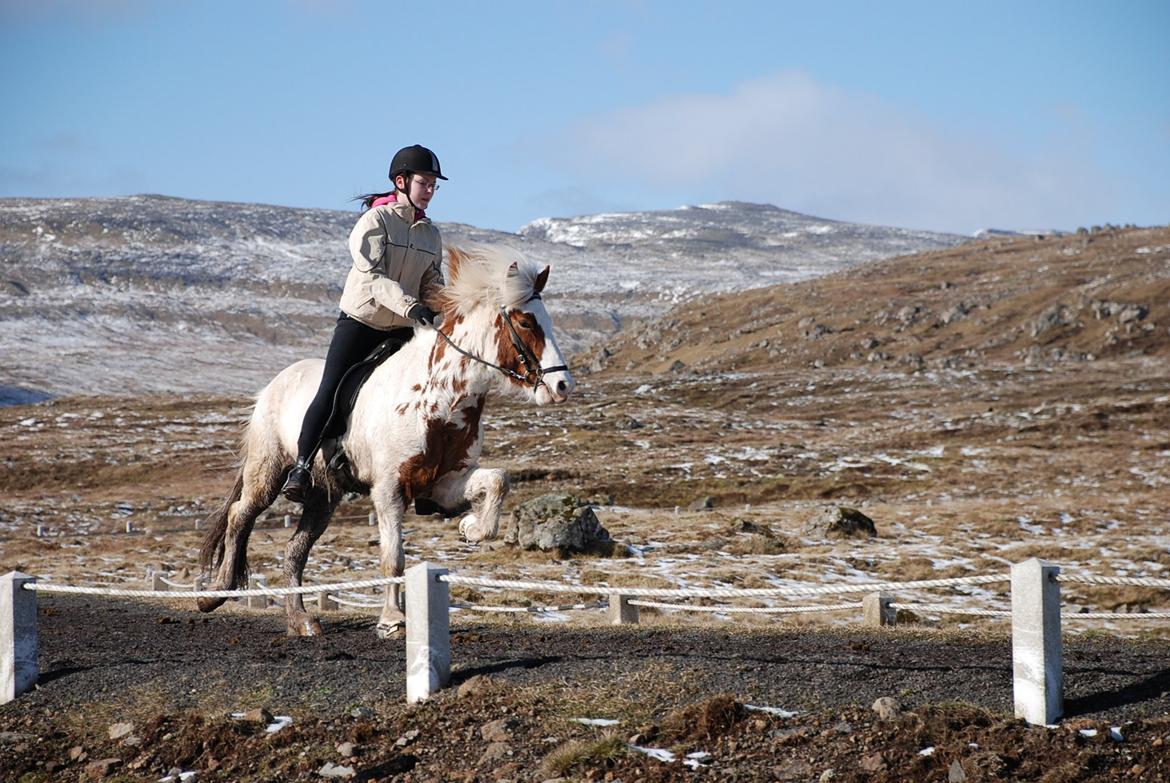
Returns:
(478, 277)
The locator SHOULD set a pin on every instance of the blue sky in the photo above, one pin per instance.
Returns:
(937, 115)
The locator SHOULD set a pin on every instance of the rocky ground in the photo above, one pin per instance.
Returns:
(706, 461)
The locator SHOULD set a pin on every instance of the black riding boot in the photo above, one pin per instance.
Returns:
(300, 480)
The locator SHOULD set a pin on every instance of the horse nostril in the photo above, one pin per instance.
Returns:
(562, 388)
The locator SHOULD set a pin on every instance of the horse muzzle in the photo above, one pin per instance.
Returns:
(555, 387)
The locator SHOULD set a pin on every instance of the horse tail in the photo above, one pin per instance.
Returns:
(211, 552)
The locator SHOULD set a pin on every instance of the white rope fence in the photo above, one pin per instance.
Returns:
(258, 588)
(944, 609)
(724, 592)
(749, 609)
(1002, 613)
(529, 609)
(357, 604)
(1034, 589)
(1137, 581)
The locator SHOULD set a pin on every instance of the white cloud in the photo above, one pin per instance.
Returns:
(791, 141)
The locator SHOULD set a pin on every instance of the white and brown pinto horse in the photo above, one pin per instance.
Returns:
(416, 430)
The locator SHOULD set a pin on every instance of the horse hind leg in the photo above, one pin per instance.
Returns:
(317, 510)
(258, 491)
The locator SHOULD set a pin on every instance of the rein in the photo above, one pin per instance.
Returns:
(531, 363)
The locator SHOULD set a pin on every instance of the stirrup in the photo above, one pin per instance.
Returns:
(299, 481)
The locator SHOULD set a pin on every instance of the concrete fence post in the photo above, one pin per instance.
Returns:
(18, 635)
(428, 631)
(259, 600)
(1037, 655)
(373, 521)
(287, 520)
(877, 611)
(620, 612)
(157, 583)
(326, 603)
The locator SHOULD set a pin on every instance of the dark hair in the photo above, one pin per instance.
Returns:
(368, 199)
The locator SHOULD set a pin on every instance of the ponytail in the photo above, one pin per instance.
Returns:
(368, 199)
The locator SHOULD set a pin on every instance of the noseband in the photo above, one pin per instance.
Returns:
(531, 363)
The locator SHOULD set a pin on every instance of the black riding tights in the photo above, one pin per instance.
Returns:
(352, 341)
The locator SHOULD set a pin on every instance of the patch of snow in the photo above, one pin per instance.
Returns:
(278, 723)
(778, 712)
(597, 721)
(661, 754)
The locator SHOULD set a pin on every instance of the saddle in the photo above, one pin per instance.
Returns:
(345, 397)
(338, 422)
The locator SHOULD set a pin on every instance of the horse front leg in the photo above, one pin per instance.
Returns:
(485, 489)
(315, 515)
(390, 507)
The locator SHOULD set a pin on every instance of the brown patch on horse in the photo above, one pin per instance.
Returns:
(532, 336)
(446, 449)
(455, 259)
(450, 321)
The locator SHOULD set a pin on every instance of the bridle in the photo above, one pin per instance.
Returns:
(531, 363)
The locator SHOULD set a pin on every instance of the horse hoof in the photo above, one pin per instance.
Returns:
(467, 528)
(209, 604)
(390, 630)
(304, 626)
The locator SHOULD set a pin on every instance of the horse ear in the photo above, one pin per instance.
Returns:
(455, 258)
(513, 270)
(541, 279)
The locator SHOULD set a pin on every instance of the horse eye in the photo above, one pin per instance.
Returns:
(527, 323)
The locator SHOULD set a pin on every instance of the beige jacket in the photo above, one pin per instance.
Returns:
(396, 263)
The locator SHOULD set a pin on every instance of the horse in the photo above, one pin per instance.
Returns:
(415, 431)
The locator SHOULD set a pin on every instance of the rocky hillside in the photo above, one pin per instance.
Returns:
(153, 294)
(1076, 298)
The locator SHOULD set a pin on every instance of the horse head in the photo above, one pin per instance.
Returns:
(493, 311)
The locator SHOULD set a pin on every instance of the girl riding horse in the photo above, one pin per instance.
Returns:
(397, 253)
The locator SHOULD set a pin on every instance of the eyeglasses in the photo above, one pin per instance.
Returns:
(431, 186)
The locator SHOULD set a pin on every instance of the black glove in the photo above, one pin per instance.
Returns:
(421, 314)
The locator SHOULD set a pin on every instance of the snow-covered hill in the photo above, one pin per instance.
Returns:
(150, 294)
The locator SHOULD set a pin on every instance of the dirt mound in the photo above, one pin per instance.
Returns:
(707, 720)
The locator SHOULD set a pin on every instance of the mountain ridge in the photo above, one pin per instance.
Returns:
(151, 293)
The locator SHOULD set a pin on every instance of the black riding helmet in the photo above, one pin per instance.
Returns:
(415, 159)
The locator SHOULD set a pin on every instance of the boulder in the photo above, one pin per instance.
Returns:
(887, 708)
(841, 522)
(335, 771)
(257, 715)
(478, 684)
(499, 730)
(555, 522)
(120, 730)
(705, 503)
(100, 769)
